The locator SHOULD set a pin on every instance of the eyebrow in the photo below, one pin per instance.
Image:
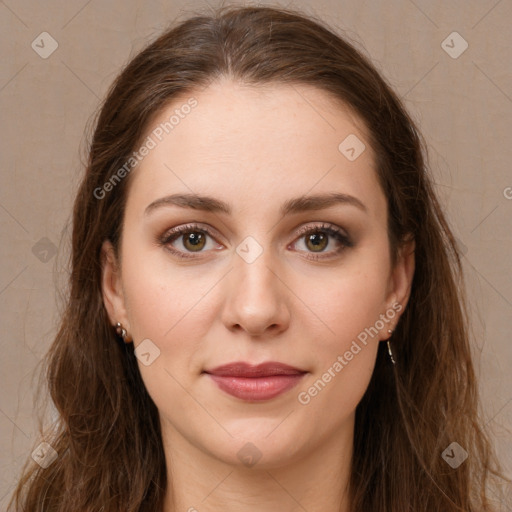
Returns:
(294, 205)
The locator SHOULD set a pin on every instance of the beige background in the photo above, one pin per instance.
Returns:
(463, 106)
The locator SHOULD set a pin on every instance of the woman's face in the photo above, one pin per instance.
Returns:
(268, 268)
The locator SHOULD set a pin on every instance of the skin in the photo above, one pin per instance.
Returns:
(255, 148)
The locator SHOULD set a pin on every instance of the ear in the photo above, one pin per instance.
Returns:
(111, 286)
(400, 282)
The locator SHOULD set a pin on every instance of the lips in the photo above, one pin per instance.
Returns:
(255, 383)
(242, 369)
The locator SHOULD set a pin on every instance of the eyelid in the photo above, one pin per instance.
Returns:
(187, 228)
(324, 226)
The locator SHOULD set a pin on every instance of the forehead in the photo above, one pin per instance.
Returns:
(270, 141)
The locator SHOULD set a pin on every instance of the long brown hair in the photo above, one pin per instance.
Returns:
(107, 436)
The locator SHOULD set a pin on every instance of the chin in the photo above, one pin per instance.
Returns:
(258, 449)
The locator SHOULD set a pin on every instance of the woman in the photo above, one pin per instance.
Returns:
(265, 310)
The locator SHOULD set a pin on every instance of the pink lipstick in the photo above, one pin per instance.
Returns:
(255, 383)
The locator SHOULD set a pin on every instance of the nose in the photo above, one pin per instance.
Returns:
(256, 298)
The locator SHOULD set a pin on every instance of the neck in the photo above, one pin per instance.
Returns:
(314, 481)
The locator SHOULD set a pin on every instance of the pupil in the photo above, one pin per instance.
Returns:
(194, 238)
(317, 240)
(312, 237)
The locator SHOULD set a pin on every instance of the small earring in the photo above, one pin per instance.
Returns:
(389, 347)
(121, 331)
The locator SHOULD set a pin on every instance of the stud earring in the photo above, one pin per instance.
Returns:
(389, 347)
(121, 331)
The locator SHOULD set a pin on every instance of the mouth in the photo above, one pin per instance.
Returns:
(255, 383)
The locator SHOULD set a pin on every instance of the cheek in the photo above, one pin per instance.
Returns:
(173, 307)
(350, 308)
(161, 297)
(348, 302)
(169, 307)
(344, 356)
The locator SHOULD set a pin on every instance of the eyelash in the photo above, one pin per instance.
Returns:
(174, 234)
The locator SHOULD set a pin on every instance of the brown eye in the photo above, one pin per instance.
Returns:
(194, 241)
(317, 242)
(188, 241)
(322, 242)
